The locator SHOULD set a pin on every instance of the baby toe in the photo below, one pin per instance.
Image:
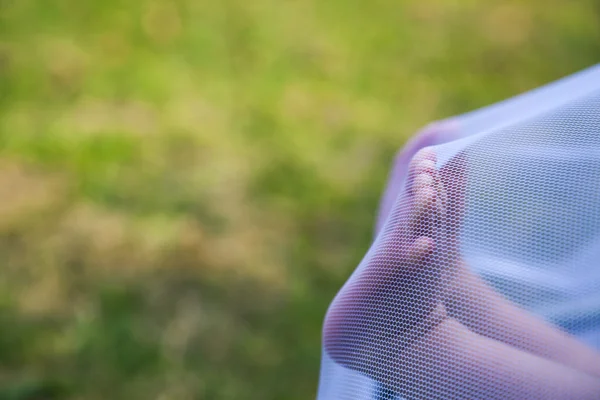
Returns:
(423, 164)
(423, 210)
(419, 250)
(426, 153)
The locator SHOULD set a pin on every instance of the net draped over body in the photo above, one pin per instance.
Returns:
(486, 259)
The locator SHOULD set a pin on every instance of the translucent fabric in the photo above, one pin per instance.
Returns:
(483, 281)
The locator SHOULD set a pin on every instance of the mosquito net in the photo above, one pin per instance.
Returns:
(483, 280)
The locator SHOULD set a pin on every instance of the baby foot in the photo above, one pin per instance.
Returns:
(395, 297)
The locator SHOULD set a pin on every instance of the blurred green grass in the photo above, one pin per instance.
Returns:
(185, 184)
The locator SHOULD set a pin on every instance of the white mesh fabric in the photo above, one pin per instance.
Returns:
(483, 281)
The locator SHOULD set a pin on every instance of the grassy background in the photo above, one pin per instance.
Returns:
(184, 184)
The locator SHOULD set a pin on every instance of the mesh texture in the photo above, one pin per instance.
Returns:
(483, 280)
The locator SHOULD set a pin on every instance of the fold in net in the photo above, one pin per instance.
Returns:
(483, 280)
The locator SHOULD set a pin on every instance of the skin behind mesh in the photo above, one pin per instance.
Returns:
(483, 280)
